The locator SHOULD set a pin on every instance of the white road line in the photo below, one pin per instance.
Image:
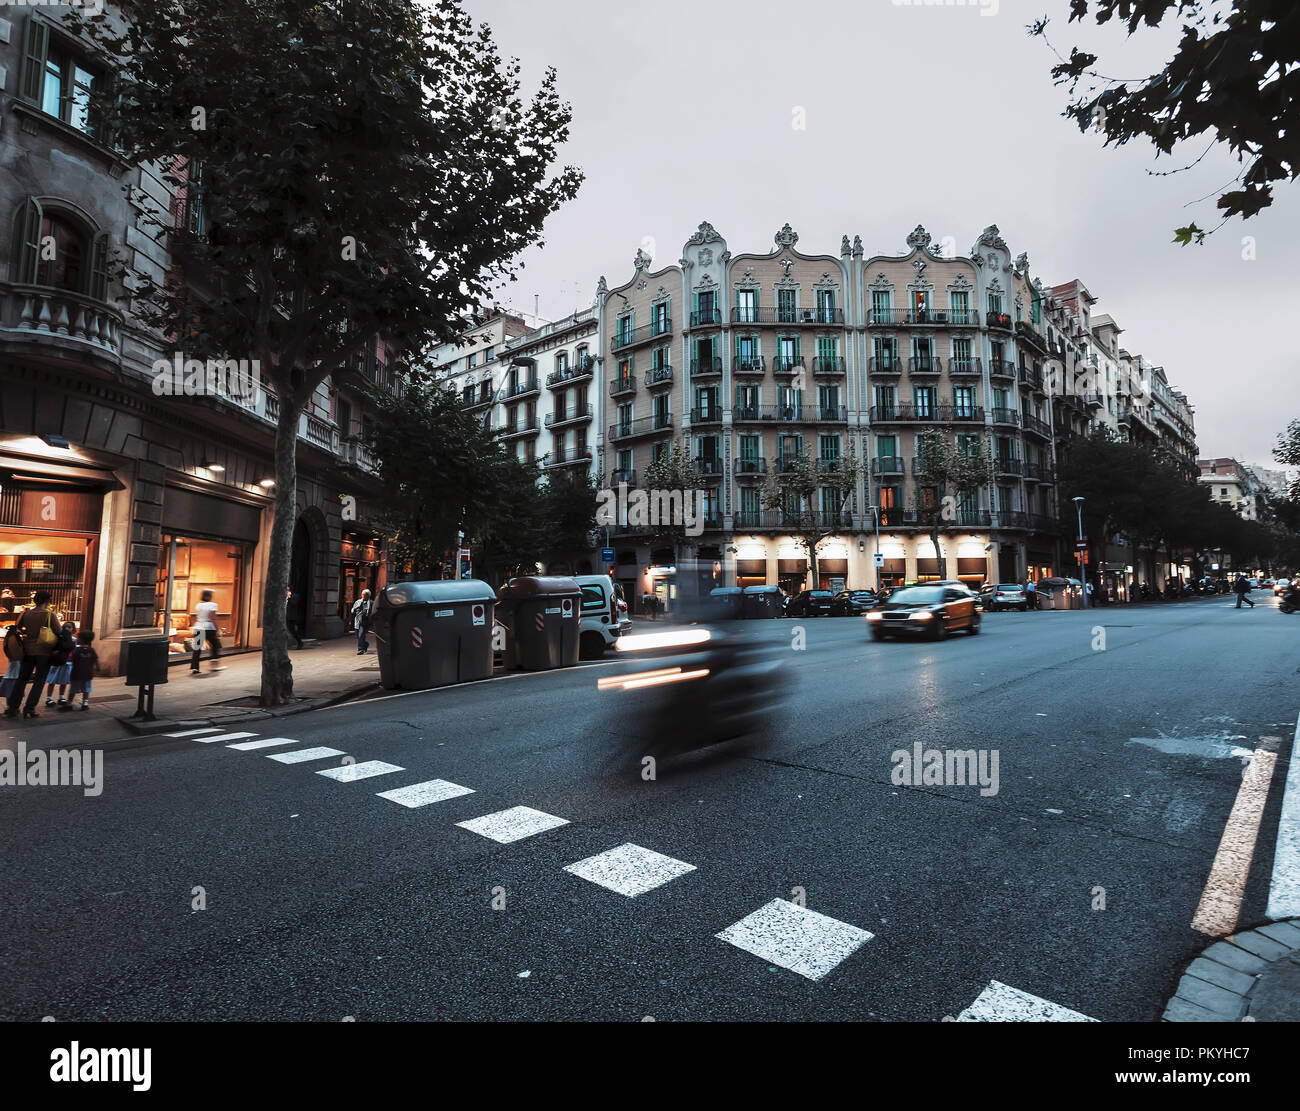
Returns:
(270, 742)
(1284, 889)
(367, 769)
(1220, 904)
(794, 937)
(194, 732)
(304, 754)
(1000, 1003)
(514, 824)
(629, 869)
(422, 794)
(222, 737)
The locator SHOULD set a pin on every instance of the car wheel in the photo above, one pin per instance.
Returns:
(974, 627)
(940, 629)
(591, 646)
(876, 634)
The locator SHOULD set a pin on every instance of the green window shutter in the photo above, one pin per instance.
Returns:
(99, 267)
(27, 241)
(35, 49)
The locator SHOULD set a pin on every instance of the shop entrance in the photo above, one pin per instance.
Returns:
(186, 568)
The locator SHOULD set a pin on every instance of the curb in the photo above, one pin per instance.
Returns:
(151, 728)
(1220, 985)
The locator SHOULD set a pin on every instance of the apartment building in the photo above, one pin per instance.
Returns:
(123, 503)
(754, 357)
(1232, 483)
(472, 366)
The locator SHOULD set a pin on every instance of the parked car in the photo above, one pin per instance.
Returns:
(1003, 596)
(931, 610)
(852, 603)
(810, 603)
(599, 622)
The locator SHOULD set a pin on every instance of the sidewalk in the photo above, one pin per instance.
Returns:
(1249, 977)
(323, 673)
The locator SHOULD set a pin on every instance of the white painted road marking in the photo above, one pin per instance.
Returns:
(304, 754)
(422, 794)
(1000, 1003)
(629, 869)
(222, 737)
(350, 773)
(1226, 886)
(270, 742)
(194, 732)
(514, 824)
(794, 937)
(1284, 889)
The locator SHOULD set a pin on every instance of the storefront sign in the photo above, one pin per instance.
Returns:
(51, 508)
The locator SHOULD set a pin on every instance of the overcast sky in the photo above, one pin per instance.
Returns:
(943, 116)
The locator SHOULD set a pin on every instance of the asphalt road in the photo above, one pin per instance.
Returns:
(1118, 768)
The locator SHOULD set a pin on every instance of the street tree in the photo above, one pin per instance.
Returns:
(363, 167)
(948, 477)
(670, 481)
(811, 495)
(1233, 79)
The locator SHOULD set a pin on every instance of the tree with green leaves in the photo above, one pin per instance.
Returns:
(948, 475)
(669, 481)
(364, 168)
(568, 504)
(811, 495)
(1233, 80)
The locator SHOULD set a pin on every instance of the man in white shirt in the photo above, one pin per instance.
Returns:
(205, 628)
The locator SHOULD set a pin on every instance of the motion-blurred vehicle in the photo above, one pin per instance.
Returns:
(692, 686)
(931, 610)
(1290, 599)
(852, 603)
(810, 603)
(1003, 596)
(1280, 587)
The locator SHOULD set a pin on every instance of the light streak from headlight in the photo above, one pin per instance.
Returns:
(640, 642)
(649, 678)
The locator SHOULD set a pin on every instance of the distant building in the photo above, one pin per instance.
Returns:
(1233, 484)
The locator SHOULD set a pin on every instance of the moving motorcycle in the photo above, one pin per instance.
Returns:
(1290, 599)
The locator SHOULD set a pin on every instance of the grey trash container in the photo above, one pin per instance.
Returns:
(725, 603)
(541, 614)
(431, 634)
(762, 602)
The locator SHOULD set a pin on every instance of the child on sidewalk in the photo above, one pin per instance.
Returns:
(60, 666)
(83, 663)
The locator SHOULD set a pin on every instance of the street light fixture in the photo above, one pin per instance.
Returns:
(1082, 552)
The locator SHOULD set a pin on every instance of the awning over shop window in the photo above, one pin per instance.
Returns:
(749, 567)
(971, 565)
(833, 566)
(792, 566)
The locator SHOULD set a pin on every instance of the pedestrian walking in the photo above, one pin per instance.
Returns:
(60, 673)
(645, 604)
(1088, 588)
(362, 609)
(38, 634)
(84, 659)
(293, 615)
(1031, 595)
(205, 629)
(1241, 588)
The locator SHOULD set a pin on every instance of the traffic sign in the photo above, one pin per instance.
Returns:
(607, 555)
(566, 607)
(1082, 545)
(880, 560)
(479, 614)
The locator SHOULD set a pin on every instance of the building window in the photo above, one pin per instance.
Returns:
(59, 81)
(746, 306)
(489, 354)
(56, 251)
(472, 362)
(785, 306)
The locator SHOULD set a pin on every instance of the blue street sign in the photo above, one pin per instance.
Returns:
(607, 555)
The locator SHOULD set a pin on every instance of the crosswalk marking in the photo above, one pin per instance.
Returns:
(193, 732)
(629, 869)
(794, 937)
(350, 773)
(304, 754)
(422, 794)
(270, 742)
(514, 824)
(222, 737)
(1284, 888)
(1000, 1003)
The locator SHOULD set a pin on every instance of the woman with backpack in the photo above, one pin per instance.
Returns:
(35, 635)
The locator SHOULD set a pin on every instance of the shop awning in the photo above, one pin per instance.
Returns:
(25, 471)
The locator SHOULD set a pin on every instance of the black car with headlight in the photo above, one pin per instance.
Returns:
(933, 611)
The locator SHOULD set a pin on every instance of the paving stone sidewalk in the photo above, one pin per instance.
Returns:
(1252, 977)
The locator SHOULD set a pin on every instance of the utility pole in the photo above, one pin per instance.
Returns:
(1082, 553)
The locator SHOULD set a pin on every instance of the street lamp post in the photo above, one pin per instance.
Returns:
(875, 514)
(1081, 552)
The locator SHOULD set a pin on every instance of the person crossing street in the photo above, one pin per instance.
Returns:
(1241, 588)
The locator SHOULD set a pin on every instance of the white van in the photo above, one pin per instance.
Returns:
(599, 625)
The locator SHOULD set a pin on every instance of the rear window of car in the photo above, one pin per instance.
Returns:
(1008, 586)
(820, 593)
(593, 599)
(918, 595)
